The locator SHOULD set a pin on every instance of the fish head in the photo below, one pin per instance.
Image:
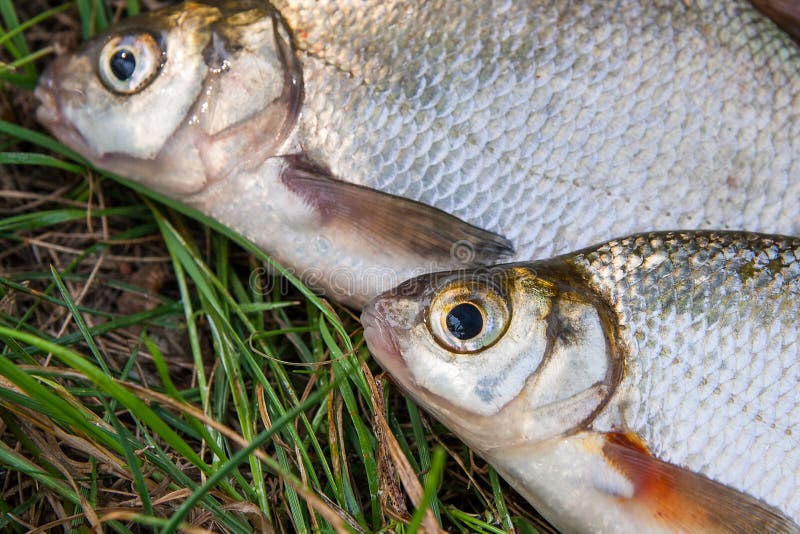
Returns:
(501, 355)
(177, 98)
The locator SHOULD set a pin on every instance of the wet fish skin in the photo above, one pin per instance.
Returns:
(647, 383)
(601, 118)
(554, 124)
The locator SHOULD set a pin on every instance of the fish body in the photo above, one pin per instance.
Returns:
(327, 131)
(646, 384)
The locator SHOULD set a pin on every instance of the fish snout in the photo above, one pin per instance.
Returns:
(63, 84)
(377, 333)
(381, 338)
(54, 93)
(48, 112)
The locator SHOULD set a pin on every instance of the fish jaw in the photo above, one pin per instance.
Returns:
(49, 113)
(383, 345)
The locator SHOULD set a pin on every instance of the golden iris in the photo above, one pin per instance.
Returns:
(468, 316)
(128, 63)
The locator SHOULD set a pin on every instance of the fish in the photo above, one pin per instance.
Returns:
(363, 143)
(644, 384)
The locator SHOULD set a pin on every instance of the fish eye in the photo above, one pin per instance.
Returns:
(464, 321)
(128, 63)
(123, 64)
(467, 316)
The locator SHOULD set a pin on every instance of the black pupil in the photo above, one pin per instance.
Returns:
(123, 63)
(465, 321)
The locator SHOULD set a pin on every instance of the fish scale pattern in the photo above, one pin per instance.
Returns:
(558, 124)
(712, 367)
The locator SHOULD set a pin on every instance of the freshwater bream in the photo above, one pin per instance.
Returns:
(646, 384)
(324, 131)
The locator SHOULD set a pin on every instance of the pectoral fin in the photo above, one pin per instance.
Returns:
(785, 13)
(684, 501)
(392, 224)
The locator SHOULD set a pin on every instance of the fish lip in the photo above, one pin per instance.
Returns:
(382, 343)
(50, 113)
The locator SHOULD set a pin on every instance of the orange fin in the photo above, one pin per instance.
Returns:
(685, 501)
(784, 13)
(392, 223)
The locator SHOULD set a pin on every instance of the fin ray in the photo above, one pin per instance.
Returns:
(687, 501)
(391, 222)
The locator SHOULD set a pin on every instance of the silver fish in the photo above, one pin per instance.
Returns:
(646, 384)
(326, 131)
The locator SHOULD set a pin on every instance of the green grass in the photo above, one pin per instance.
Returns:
(153, 377)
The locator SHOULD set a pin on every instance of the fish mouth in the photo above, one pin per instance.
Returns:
(383, 345)
(50, 114)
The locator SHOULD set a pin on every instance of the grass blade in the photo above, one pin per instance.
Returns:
(107, 384)
(44, 15)
(27, 158)
(432, 480)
